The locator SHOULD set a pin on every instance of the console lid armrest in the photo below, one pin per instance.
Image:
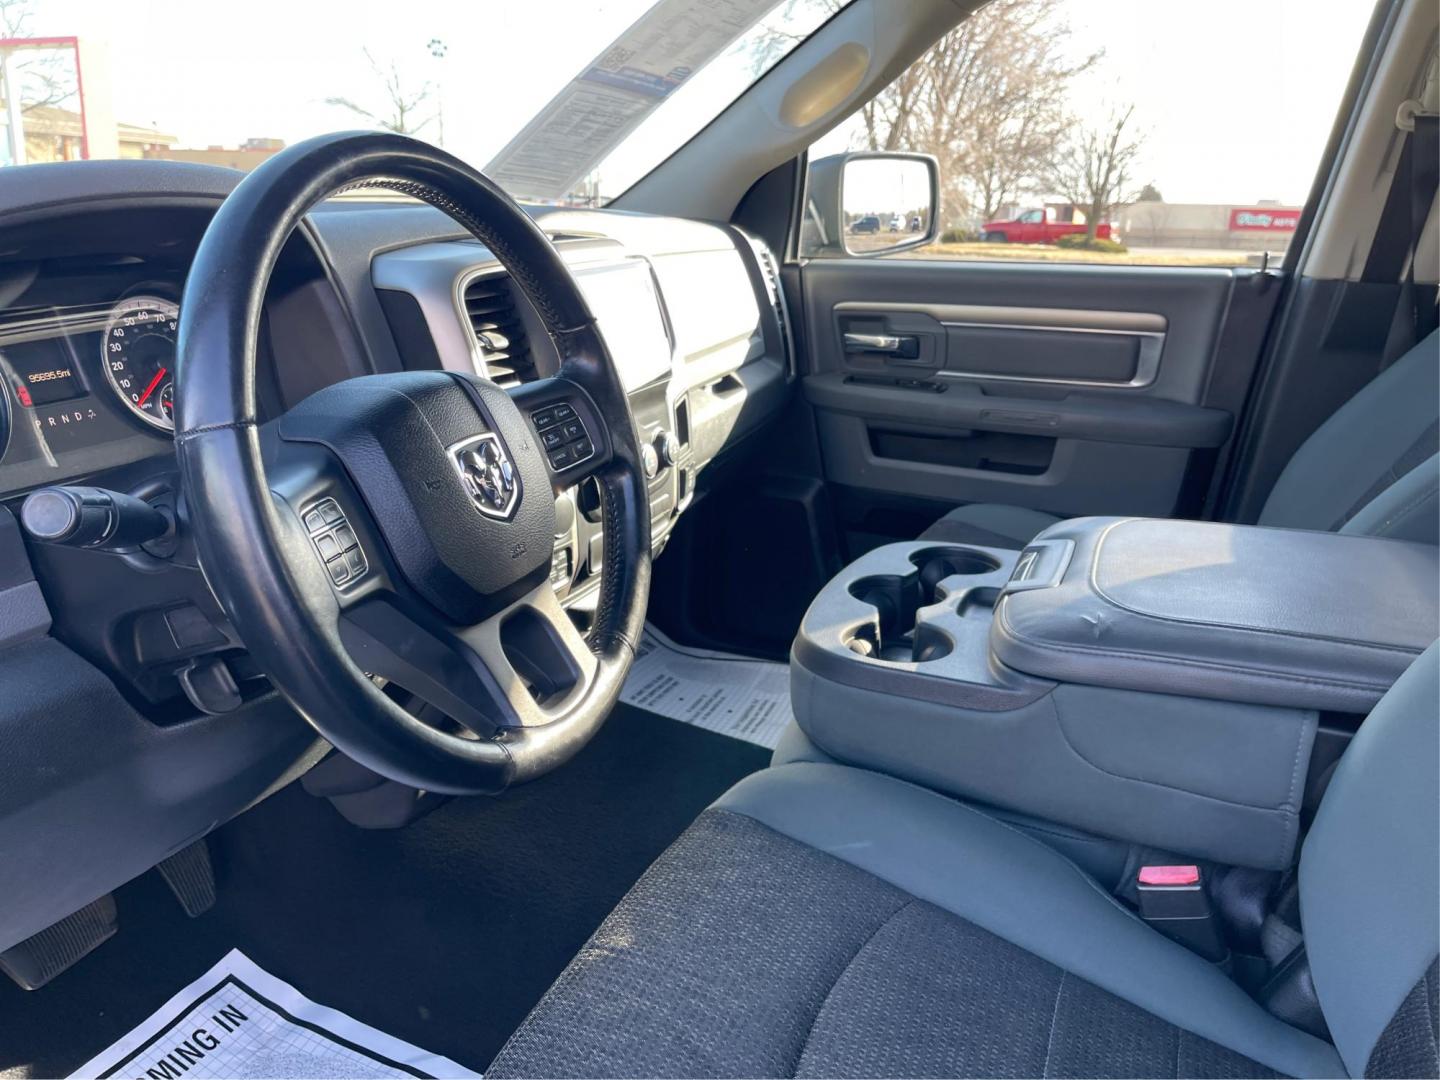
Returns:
(1239, 613)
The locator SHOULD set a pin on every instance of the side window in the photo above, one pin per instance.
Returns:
(1118, 131)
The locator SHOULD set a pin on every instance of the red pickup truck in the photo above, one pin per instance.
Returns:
(1036, 227)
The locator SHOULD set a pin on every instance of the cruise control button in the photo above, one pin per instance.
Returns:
(559, 459)
(551, 438)
(564, 412)
(345, 537)
(328, 547)
(573, 430)
(355, 559)
(583, 449)
(338, 570)
(543, 417)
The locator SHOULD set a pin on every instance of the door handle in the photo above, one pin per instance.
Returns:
(894, 346)
(887, 343)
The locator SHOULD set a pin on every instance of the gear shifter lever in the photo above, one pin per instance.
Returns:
(91, 517)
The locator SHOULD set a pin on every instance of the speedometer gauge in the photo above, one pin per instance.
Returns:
(139, 357)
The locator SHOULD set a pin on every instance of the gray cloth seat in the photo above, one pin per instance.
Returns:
(820, 920)
(1372, 469)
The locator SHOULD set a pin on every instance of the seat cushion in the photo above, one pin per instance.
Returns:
(826, 921)
(990, 525)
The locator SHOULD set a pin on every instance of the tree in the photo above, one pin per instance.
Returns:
(399, 112)
(1150, 193)
(1094, 166)
(43, 77)
(986, 100)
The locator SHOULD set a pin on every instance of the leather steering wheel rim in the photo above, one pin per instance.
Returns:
(250, 545)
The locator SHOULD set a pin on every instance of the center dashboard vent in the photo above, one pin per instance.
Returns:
(498, 323)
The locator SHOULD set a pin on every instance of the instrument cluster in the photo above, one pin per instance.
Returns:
(81, 378)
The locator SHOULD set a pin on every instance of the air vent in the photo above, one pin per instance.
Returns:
(499, 327)
(770, 270)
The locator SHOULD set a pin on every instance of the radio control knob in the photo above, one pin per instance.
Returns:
(650, 459)
(668, 447)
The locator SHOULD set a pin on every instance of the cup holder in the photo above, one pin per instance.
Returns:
(897, 598)
(935, 564)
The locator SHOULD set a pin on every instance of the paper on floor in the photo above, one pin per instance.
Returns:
(733, 695)
(239, 1021)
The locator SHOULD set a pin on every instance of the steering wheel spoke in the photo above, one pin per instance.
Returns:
(523, 668)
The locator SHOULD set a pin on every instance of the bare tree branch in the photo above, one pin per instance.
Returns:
(986, 101)
(45, 78)
(398, 113)
(1095, 167)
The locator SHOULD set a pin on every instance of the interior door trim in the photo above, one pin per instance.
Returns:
(1147, 327)
(1147, 362)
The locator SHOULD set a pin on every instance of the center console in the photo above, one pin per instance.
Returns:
(1157, 682)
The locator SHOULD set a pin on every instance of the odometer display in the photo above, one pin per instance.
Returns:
(139, 356)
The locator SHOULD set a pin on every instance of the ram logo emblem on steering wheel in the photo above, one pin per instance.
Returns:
(488, 475)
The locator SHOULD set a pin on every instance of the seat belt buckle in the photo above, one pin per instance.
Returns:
(1172, 899)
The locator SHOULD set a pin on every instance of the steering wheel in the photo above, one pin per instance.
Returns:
(398, 528)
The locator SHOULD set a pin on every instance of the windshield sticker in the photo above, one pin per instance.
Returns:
(639, 70)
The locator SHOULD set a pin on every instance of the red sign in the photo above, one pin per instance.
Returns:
(1269, 218)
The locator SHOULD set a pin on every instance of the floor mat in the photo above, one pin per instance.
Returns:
(721, 692)
(237, 1020)
(444, 933)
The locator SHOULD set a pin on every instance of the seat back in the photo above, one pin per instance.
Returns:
(1372, 467)
(1370, 884)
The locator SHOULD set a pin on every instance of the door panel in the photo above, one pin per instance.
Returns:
(1071, 389)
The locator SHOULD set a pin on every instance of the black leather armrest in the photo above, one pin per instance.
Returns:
(1237, 613)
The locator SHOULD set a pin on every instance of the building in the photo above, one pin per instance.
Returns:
(1259, 226)
(243, 157)
(56, 134)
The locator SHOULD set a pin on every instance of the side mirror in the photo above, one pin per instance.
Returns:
(870, 203)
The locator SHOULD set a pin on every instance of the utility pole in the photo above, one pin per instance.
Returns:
(438, 49)
(14, 112)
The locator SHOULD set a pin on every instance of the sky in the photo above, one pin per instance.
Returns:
(1235, 97)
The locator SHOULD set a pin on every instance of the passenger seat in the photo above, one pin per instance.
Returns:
(1372, 469)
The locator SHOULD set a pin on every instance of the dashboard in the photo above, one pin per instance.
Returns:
(101, 655)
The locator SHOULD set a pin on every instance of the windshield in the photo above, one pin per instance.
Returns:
(561, 101)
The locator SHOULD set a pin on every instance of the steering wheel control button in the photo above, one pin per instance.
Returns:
(564, 437)
(335, 542)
